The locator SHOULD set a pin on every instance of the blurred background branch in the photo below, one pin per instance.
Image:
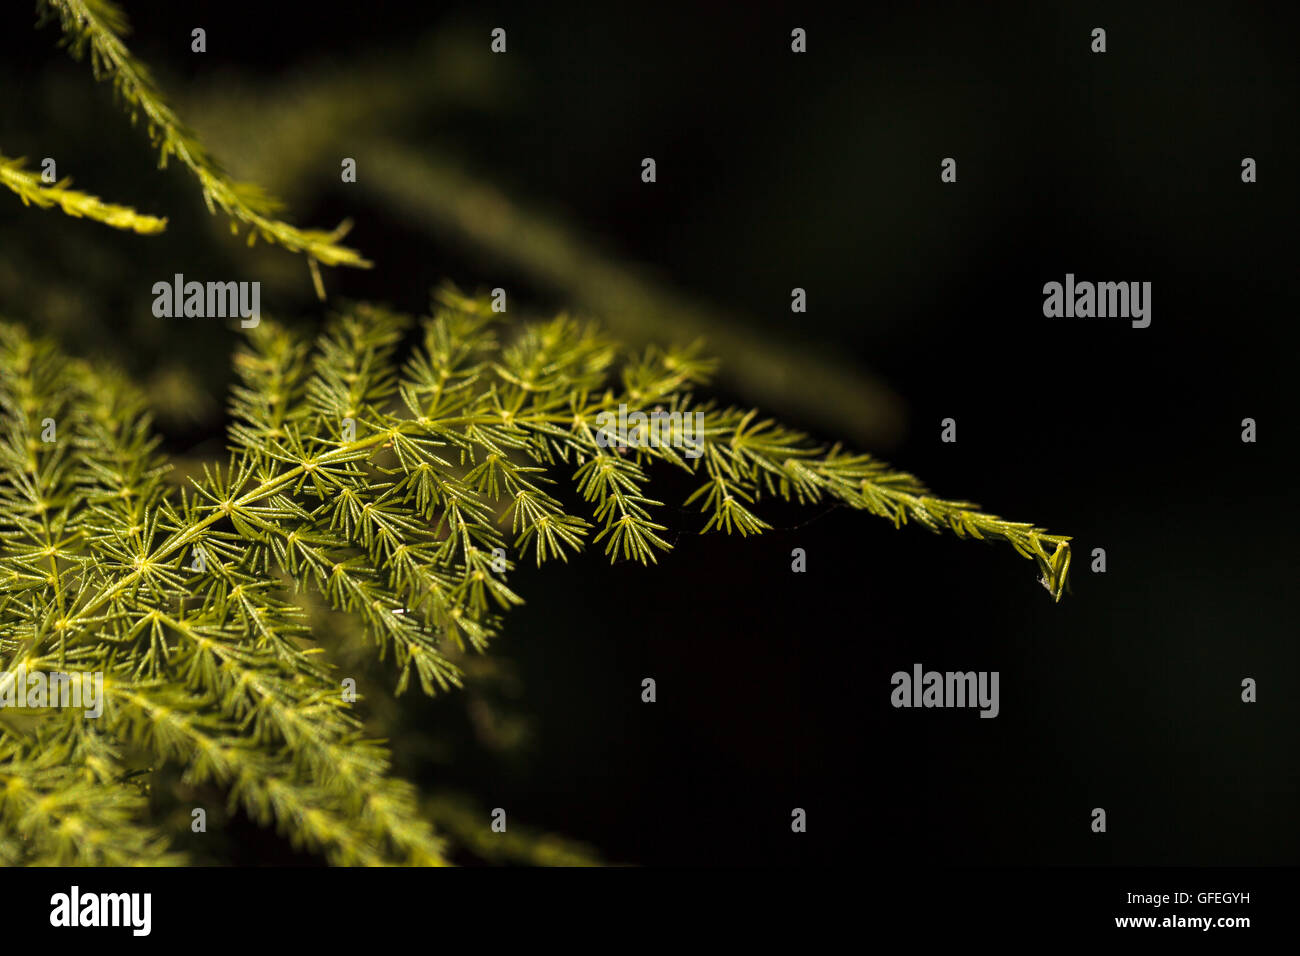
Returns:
(320, 113)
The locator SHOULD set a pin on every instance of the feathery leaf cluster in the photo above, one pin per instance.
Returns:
(96, 27)
(399, 490)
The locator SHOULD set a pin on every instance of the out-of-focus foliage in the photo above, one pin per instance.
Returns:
(96, 28)
(33, 191)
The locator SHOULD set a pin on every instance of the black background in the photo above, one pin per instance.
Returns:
(822, 171)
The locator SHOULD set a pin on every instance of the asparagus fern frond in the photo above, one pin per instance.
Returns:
(400, 489)
(96, 27)
(33, 191)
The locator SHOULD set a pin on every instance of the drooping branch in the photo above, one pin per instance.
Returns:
(97, 27)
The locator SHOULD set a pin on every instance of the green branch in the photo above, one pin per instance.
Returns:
(32, 191)
(401, 492)
(97, 26)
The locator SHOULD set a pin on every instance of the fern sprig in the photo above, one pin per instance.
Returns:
(96, 27)
(401, 493)
(32, 190)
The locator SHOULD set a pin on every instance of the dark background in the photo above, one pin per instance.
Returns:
(822, 171)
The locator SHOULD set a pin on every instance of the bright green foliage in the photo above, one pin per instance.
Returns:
(31, 190)
(392, 469)
(97, 27)
(379, 485)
